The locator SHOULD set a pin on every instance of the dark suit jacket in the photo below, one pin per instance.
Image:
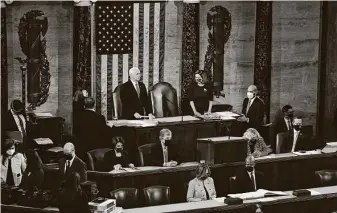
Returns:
(255, 112)
(92, 131)
(157, 158)
(130, 101)
(8, 122)
(280, 126)
(244, 183)
(304, 142)
(77, 166)
(335, 120)
(31, 179)
(110, 160)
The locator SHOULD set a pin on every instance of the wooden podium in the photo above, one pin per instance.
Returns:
(217, 150)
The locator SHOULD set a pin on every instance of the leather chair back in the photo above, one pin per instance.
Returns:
(280, 138)
(117, 102)
(144, 153)
(232, 185)
(95, 159)
(327, 177)
(125, 197)
(164, 100)
(157, 195)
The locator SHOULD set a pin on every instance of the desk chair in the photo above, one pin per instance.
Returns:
(157, 195)
(95, 159)
(326, 177)
(125, 197)
(280, 141)
(144, 152)
(232, 185)
(164, 100)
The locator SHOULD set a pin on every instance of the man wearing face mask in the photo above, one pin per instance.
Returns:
(249, 179)
(164, 153)
(70, 163)
(252, 110)
(285, 124)
(295, 140)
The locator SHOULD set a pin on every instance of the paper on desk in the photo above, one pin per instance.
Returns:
(132, 123)
(227, 114)
(219, 199)
(176, 119)
(313, 192)
(261, 193)
(283, 155)
(43, 114)
(313, 152)
(130, 169)
(266, 199)
(329, 149)
(332, 143)
(55, 149)
(43, 141)
(264, 157)
(227, 118)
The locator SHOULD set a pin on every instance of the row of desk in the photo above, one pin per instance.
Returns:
(324, 201)
(285, 172)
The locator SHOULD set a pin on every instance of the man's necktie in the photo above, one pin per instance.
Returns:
(165, 152)
(67, 167)
(22, 126)
(252, 177)
(248, 106)
(138, 90)
(289, 124)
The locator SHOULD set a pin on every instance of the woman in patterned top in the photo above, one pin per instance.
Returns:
(256, 145)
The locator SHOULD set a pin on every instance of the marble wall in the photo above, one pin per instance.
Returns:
(331, 72)
(59, 39)
(295, 55)
(239, 50)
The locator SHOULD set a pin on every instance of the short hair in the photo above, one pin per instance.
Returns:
(70, 146)
(203, 75)
(286, 108)
(250, 158)
(8, 144)
(89, 103)
(297, 117)
(163, 132)
(133, 69)
(202, 169)
(116, 140)
(17, 105)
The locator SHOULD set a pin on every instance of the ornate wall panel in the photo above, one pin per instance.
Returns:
(4, 71)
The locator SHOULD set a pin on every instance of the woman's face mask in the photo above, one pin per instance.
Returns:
(10, 151)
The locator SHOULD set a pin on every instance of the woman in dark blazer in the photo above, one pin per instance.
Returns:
(118, 157)
(71, 197)
(200, 94)
(33, 176)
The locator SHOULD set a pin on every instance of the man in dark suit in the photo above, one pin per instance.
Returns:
(164, 153)
(252, 110)
(285, 124)
(93, 131)
(248, 179)
(70, 163)
(135, 102)
(296, 140)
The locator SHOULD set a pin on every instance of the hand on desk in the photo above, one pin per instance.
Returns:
(170, 164)
(137, 115)
(243, 118)
(131, 166)
(117, 167)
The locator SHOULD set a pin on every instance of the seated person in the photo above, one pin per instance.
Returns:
(285, 123)
(202, 186)
(70, 163)
(118, 157)
(71, 198)
(13, 164)
(33, 176)
(248, 179)
(165, 153)
(256, 145)
(296, 140)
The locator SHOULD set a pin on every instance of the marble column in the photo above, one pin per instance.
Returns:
(262, 63)
(4, 71)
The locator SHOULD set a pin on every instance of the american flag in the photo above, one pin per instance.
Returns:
(143, 46)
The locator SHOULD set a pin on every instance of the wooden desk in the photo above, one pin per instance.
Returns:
(285, 172)
(217, 150)
(184, 132)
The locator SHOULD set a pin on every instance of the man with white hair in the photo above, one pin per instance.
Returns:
(135, 102)
(252, 109)
(70, 163)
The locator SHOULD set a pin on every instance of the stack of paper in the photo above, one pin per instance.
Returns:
(43, 141)
(55, 149)
(330, 147)
(43, 114)
(261, 193)
(132, 123)
(228, 114)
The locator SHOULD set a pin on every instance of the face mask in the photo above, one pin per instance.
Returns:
(297, 127)
(250, 95)
(68, 156)
(119, 149)
(10, 152)
(249, 168)
(167, 142)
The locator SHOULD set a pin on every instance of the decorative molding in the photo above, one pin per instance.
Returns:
(4, 70)
(262, 63)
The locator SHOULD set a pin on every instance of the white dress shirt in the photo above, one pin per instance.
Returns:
(70, 162)
(252, 173)
(249, 104)
(165, 152)
(296, 133)
(16, 119)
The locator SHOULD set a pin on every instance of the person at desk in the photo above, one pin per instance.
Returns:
(202, 186)
(256, 145)
(296, 140)
(285, 123)
(134, 98)
(200, 94)
(78, 108)
(164, 153)
(252, 109)
(13, 164)
(71, 198)
(248, 179)
(33, 176)
(118, 157)
(70, 163)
